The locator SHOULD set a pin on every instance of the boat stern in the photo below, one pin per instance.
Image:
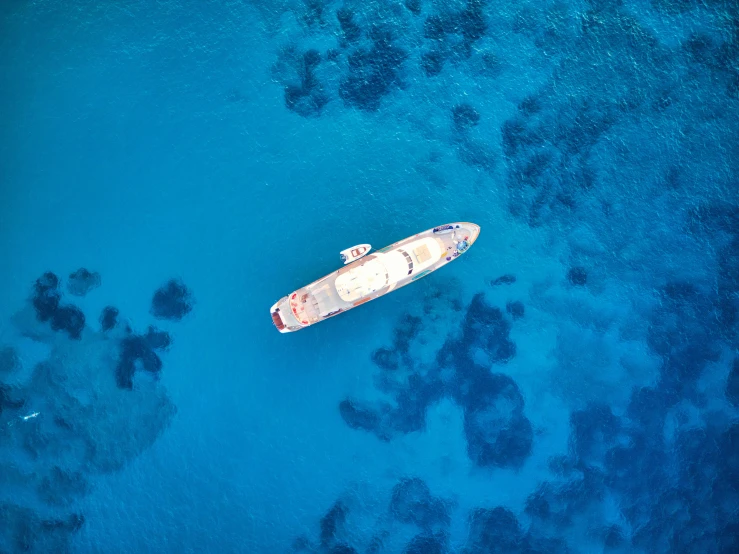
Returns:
(282, 316)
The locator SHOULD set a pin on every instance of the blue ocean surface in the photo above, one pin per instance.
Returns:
(170, 169)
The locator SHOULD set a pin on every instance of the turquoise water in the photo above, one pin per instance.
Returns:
(569, 384)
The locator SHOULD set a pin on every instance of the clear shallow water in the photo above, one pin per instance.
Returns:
(596, 145)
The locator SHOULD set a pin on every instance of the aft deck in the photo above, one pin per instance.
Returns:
(317, 301)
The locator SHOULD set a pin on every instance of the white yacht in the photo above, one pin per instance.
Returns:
(366, 276)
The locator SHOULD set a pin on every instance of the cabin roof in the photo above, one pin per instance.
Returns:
(362, 280)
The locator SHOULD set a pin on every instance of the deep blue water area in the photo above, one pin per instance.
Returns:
(170, 169)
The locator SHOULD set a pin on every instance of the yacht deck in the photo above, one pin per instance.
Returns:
(364, 279)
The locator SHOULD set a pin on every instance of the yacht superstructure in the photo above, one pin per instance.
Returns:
(366, 276)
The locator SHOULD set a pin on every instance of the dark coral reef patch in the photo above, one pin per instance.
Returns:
(497, 430)
(172, 300)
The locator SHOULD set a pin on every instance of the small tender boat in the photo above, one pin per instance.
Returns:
(354, 253)
(366, 276)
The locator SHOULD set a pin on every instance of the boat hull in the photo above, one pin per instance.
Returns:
(373, 275)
